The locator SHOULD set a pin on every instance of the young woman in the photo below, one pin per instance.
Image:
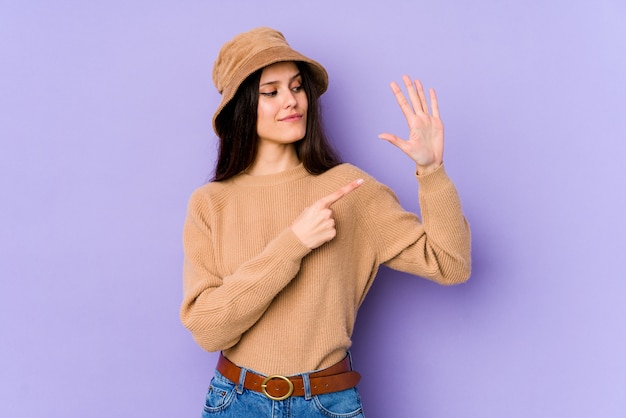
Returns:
(283, 245)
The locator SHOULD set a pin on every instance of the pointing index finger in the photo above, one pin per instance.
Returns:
(328, 200)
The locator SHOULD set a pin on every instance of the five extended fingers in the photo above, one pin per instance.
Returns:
(425, 142)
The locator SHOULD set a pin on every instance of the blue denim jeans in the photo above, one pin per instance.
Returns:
(227, 399)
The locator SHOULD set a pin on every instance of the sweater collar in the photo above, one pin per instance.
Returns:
(296, 173)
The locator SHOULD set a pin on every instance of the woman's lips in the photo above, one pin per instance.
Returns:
(291, 118)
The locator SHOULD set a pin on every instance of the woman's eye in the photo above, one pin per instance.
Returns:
(268, 93)
(297, 88)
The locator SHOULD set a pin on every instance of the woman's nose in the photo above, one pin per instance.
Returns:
(289, 99)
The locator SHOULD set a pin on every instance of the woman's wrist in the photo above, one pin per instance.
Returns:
(422, 170)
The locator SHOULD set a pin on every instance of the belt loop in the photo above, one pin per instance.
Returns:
(242, 380)
(307, 386)
(350, 357)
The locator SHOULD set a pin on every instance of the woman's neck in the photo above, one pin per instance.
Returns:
(273, 158)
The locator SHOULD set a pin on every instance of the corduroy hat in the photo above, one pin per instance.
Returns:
(251, 51)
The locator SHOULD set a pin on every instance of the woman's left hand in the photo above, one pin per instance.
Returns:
(425, 142)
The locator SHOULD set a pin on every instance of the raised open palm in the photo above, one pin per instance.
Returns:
(425, 142)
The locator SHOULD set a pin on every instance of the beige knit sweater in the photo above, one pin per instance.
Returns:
(272, 305)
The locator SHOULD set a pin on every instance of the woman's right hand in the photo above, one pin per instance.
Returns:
(316, 225)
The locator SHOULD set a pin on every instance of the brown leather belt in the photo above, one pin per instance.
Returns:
(333, 379)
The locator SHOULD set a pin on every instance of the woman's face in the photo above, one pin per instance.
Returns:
(281, 113)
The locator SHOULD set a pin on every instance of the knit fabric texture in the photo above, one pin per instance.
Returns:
(272, 305)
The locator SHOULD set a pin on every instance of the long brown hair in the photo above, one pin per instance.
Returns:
(236, 127)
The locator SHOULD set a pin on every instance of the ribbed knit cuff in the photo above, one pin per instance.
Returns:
(289, 246)
(434, 181)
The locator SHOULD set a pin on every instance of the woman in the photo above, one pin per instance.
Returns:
(283, 245)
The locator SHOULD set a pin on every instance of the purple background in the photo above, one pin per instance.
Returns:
(105, 127)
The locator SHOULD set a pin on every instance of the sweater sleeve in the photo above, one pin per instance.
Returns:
(436, 248)
(218, 310)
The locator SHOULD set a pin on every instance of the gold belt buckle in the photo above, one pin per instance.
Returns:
(277, 398)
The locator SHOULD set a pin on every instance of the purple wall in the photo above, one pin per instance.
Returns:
(105, 129)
